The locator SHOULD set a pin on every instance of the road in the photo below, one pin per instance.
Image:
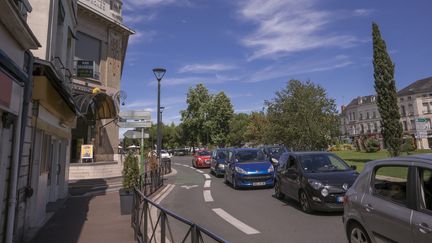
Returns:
(245, 215)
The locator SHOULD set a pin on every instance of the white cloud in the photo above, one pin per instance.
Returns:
(363, 12)
(205, 68)
(138, 18)
(288, 26)
(142, 37)
(303, 67)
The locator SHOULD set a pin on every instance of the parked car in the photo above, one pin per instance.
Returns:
(391, 201)
(248, 167)
(181, 151)
(218, 161)
(201, 159)
(274, 152)
(165, 154)
(318, 180)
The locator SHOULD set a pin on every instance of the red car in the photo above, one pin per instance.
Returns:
(202, 159)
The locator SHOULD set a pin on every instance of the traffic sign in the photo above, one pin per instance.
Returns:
(422, 119)
(139, 124)
(135, 115)
(135, 134)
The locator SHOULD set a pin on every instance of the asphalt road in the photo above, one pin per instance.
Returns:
(244, 215)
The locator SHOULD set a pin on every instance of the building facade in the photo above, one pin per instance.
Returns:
(361, 119)
(100, 51)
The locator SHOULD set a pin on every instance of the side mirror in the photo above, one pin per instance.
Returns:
(354, 167)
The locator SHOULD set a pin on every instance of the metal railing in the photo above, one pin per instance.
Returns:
(152, 180)
(153, 223)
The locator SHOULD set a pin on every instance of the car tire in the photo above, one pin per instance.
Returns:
(357, 234)
(278, 194)
(304, 202)
(234, 183)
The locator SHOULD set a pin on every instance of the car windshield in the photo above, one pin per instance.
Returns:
(203, 153)
(254, 155)
(314, 163)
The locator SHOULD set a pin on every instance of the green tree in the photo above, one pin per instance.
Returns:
(195, 115)
(385, 87)
(238, 128)
(220, 112)
(256, 129)
(302, 117)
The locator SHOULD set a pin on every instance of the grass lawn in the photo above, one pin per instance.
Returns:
(359, 159)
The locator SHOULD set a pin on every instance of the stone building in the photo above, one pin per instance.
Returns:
(16, 39)
(360, 118)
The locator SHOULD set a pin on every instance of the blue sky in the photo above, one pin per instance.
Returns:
(250, 48)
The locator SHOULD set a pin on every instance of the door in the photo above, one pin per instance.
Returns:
(6, 138)
(422, 217)
(292, 178)
(42, 187)
(385, 209)
(53, 170)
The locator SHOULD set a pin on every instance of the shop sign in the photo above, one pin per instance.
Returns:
(87, 151)
(85, 69)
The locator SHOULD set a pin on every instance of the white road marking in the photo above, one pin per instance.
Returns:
(200, 171)
(160, 193)
(235, 222)
(162, 197)
(189, 187)
(207, 176)
(207, 196)
(207, 183)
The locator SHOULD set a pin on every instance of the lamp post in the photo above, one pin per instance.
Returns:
(159, 74)
(162, 108)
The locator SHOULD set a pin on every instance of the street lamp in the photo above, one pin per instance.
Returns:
(159, 74)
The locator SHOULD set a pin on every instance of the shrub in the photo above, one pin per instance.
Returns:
(130, 172)
(408, 145)
(372, 145)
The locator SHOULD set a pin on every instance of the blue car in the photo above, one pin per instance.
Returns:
(218, 161)
(248, 167)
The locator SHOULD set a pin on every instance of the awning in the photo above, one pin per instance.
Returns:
(99, 105)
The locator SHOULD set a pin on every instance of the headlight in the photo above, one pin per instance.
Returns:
(221, 166)
(270, 169)
(324, 192)
(315, 184)
(240, 170)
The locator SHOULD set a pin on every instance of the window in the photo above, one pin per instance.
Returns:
(390, 183)
(361, 116)
(413, 125)
(426, 188)
(405, 126)
(292, 163)
(367, 115)
(410, 109)
(374, 115)
(409, 97)
(354, 116)
(403, 113)
(401, 99)
(87, 48)
(426, 108)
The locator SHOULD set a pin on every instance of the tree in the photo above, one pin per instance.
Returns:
(195, 115)
(238, 128)
(302, 117)
(220, 112)
(256, 129)
(385, 87)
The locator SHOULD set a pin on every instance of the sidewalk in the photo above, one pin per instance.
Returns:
(88, 219)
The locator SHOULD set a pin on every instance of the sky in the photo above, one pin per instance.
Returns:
(250, 49)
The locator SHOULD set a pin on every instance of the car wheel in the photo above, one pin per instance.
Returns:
(277, 188)
(234, 183)
(357, 234)
(304, 202)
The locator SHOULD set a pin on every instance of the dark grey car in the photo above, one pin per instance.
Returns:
(391, 201)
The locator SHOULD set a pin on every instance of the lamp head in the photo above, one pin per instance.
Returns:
(159, 73)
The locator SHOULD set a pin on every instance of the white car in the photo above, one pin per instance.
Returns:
(165, 155)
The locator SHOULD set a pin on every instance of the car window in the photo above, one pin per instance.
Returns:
(312, 163)
(250, 155)
(426, 188)
(283, 160)
(292, 163)
(203, 153)
(390, 183)
(221, 155)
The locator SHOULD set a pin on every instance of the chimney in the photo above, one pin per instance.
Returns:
(359, 100)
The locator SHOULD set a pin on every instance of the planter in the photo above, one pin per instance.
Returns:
(126, 201)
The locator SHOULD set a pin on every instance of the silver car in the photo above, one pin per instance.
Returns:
(391, 201)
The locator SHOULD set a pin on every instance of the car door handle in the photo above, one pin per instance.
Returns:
(424, 228)
(368, 207)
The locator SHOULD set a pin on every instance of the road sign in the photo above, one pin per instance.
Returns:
(135, 134)
(131, 124)
(422, 119)
(135, 115)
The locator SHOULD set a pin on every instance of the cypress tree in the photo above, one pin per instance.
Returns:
(385, 87)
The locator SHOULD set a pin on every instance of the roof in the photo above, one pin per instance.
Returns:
(419, 86)
(369, 99)
(309, 152)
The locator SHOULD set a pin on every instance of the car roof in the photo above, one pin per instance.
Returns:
(308, 152)
(407, 158)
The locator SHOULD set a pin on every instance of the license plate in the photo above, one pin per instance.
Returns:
(258, 183)
(207, 161)
(340, 199)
